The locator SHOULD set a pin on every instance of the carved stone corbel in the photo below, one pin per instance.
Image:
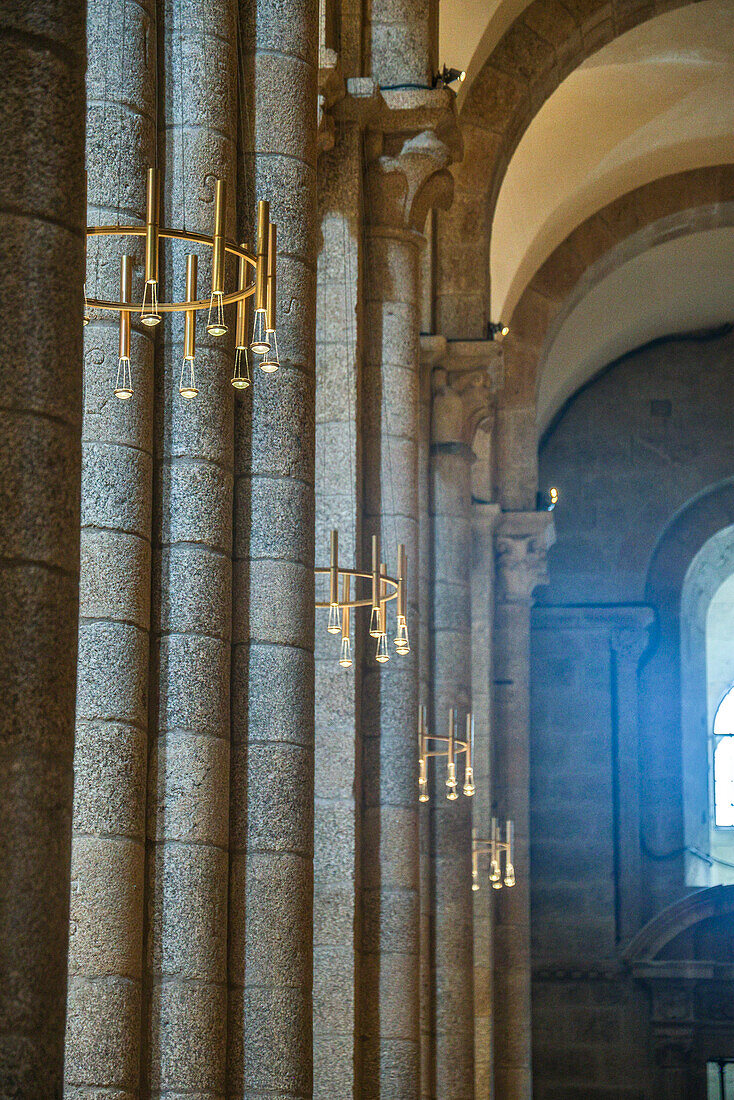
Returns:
(522, 542)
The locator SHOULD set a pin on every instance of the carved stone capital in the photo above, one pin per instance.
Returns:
(464, 384)
(410, 142)
(522, 541)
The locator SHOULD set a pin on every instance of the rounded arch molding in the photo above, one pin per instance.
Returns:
(668, 208)
(547, 41)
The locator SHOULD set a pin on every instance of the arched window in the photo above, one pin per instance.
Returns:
(723, 734)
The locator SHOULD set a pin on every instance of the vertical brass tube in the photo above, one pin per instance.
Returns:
(126, 291)
(334, 569)
(474, 854)
(242, 325)
(452, 734)
(261, 271)
(190, 324)
(402, 579)
(383, 600)
(346, 586)
(271, 291)
(375, 571)
(469, 740)
(509, 840)
(220, 200)
(151, 227)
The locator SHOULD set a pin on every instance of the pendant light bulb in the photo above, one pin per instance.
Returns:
(215, 325)
(451, 783)
(509, 875)
(383, 654)
(402, 643)
(345, 659)
(270, 362)
(475, 883)
(241, 377)
(494, 872)
(423, 789)
(469, 787)
(187, 386)
(259, 342)
(335, 622)
(375, 631)
(497, 885)
(149, 314)
(123, 385)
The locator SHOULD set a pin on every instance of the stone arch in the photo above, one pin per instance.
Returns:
(663, 828)
(681, 204)
(538, 51)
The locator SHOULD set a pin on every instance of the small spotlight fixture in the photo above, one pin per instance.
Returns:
(496, 330)
(547, 499)
(448, 76)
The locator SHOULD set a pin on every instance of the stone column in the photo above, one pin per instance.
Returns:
(271, 863)
(629, 639)
(42, 51)
(483, 522)
(522, 541)
(451, 821)
(108, 852)
(188, 778)
(401, 39)
(433, 351)
(404, 176)
(338, 505)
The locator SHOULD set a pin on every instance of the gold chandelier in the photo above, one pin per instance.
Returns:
(454, 748)
(384, 589)
(263, 341)
(496, 848)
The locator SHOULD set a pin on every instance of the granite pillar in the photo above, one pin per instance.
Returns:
(271, 862)
(483, 521)
(433, 349)
(451, 821)
(108, 850)
(42, 218)
(338, 505)
(188, 776)
(521, 542)
(401, 38)
(390, 962)
(405, 176)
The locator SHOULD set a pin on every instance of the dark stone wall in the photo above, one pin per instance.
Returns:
(629, 453)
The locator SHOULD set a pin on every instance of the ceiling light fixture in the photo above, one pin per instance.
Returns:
(263, 261)
(384, 589)
(448, 76)
(496, 848)
(454, 747)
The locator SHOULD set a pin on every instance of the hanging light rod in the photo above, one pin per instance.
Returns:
(454, 747)
(383, 589)
(496, 848)
(262, 287)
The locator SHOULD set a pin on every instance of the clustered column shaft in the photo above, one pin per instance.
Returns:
(451, 821)
(105, 951)
(521, 542)
(390, 903)
(188, 781)
(42, 55)
(271, 872)
(338, 505)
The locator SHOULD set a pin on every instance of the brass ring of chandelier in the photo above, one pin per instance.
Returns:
(391, 594)
(263, 341)
(171, 234)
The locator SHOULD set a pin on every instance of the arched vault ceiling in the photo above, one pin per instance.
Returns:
(470, 29)
(679, 285)
(655, 101)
